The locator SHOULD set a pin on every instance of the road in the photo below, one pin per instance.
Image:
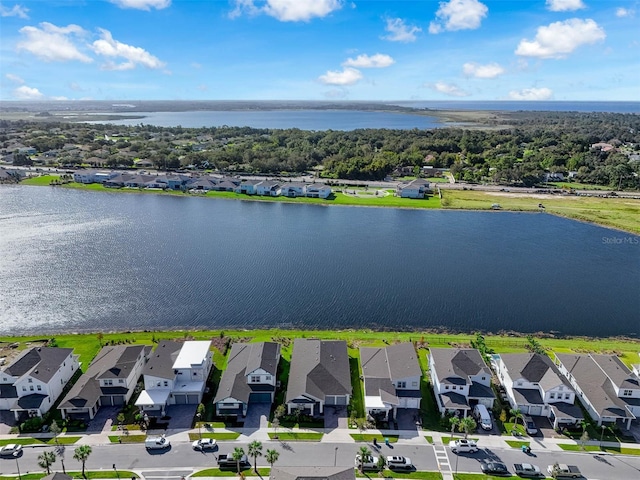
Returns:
(181, 459)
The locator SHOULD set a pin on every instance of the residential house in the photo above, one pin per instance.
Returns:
(317, 190)
(535, 386)
(319, 375)
(608, 390)
(248, 187)
(202, 183)
(293, 190)
(391, 379)
(250, 377)
(175, 374)
(417, 188)
(92, 176)
(312, 473)
(227, 184)
(460, 379)
(32, 383)
(109, 381)
(268, 187)
(118, 181)
(553, 177)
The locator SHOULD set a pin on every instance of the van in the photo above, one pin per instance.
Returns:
(156, 443)
(481, 414)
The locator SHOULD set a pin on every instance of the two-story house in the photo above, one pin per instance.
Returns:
(250, 377)
(607, 388)
(109, 381)
(417, 188)
(268, 187)
(175, 374)
(535, 386)
(391, 379)
(32, 383)
(319, 376)
(460, 379)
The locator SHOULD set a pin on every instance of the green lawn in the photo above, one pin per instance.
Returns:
(390, 474)
(476, 476)
(578, 186)
(296, 436)
(127, 438)
(368, 437)
(90, 474)
(218, 436)
(41, 180)
(447, 440)
(517, 443)
(570, 447)
(216, 472)
(38, 441)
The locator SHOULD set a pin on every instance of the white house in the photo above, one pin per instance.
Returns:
(391, 379)
(417, 188)
(268, 188)
(110, 380)
(250, 377)
(606, 387)
(317, 190)
(175, 374)
(535, 386)
(460, 379)
(32, 383)
(92, 176)
(248, 187)
(293, 190)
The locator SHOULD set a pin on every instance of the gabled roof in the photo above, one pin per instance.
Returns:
(264, 355)
(618, 372)
(319, 368)
(382, 366)
(312, 473)
(161, 361)
(453, 364)
(41, 363)
(534, 368)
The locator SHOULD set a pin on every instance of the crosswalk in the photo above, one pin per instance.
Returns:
(444, 465)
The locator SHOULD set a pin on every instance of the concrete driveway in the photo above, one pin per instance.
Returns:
(257, 416)
(406, 418)
(103, 420)
(335, 417)
(7, 420)
(181, 416)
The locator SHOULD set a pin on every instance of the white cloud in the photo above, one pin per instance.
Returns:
(142, 4)
(531, 94)
(27, 93)
(59, 98)
(559, 39)
(348, 76)
(379, 60)
(458, 15)
(52, 43)
(14, 78)
(15, 11)
(133, 56)
(564, 5)
(624, 12)
(490, 70)
(287, 10)
(400, 31)
(450, 89)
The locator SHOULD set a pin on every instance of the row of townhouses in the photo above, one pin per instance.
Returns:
(176, 373)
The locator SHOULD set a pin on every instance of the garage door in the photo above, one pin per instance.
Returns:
(118, 400)
(181, 399)
(106, 401)
(535, 410)
(409, 403)
(260, 398)
(192, 399)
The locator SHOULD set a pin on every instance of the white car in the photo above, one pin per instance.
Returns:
(12, 449)
(464, 446)
(399, 463)
(204, 444)
(369, 463)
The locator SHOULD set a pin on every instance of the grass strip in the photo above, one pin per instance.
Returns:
(517, 443)
(217, 436)
(570, 447)
(296, 436)
(368, 437)
(448, 440)
(39, 441)
(127, 438)
(90, 474)
(216, 472)
(389, 474)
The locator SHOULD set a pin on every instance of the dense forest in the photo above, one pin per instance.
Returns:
(528, 146)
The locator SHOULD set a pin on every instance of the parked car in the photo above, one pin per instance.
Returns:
(464, 446)
(368, 463)
(482, 416)
(561, 470)
(527, 470)
(399, 463)
(11, 450)
(157, 443)
(530, 425)
(495, 468)
(204, 444)
(227, 461)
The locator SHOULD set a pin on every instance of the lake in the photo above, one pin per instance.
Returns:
(85, 261)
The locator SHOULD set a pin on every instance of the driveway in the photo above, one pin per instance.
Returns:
(180, 416)
(257, 416)
(335, 417)
(7, 420)
(103, 420)
(406, 418)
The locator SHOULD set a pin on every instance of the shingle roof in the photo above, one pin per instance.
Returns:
(312, 473)
(534, 368)
(41, 363)
(462, 363)
(161, 361)
(319, 368)
(617, 371)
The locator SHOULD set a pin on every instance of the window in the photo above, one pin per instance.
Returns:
(39, 388)
(24, 389)
(255, 378)
(414, 384)
(166, 383)
(158, 384)
(402, 384)
(446, 387)
(268, 378)
(484, 378)
(121, 380)
(627, 393)
(108, 382)
(31, 388)
(552, 395)
(30, 380)
(567, 396)
(454, 387)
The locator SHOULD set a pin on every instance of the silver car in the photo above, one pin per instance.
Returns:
(10, 450)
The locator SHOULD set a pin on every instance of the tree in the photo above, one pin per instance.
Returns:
(515, 416)
(81, 454)
(55, 430)
(272, 457)
(467, 425)
(364, 453)
(237, 455)
(255, 451)
(584, 438)
(555, 470)
(46, 459)
(120, 418)
(454, 422)
(275, 424)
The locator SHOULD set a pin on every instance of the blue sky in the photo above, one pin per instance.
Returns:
(320, 49)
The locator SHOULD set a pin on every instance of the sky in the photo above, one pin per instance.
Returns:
(412, 50)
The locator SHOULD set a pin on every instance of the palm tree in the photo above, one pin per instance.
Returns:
(46, 459)
(515, 416)
(467, 425)
(81, 454)
(364, 454)
(255, 451)
(454, 422)
(272, 457)
(237, 455)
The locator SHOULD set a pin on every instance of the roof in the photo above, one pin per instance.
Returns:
(243, 359)
(618, 372)
(452, 364)
(595, 385)
(534, 368)
(528, 396)
(161, 361)
(567, 410)
(454, 401)
(395, 362)
(312, 473)
(193, 353)
(41, 363)
(29, 402)
(319, 368)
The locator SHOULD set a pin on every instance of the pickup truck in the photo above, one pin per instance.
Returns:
(227, 461)
(527, 470)
(561, 470)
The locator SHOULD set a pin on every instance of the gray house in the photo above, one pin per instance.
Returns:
(391, 379)
(312, 473)
(319, 375)
(250, 377)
